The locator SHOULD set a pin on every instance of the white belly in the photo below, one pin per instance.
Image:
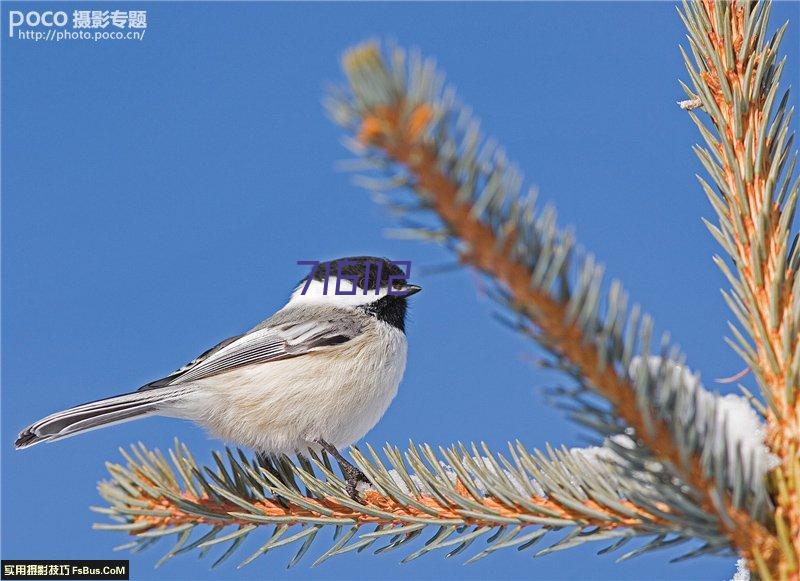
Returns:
(282, 407)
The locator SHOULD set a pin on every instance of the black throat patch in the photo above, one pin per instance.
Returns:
(389, 309)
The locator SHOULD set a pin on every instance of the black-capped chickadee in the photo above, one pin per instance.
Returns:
(318, 373)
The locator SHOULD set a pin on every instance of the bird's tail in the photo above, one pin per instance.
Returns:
(96, 414)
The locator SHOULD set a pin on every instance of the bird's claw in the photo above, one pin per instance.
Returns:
(352, 475)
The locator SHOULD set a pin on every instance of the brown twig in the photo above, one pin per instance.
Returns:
(332, 508)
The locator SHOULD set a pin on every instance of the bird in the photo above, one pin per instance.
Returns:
(316, 375)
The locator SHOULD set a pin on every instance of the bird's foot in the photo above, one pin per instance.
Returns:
(352, 475)
(353, 478)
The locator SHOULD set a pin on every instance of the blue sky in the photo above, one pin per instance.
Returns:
(157, 195)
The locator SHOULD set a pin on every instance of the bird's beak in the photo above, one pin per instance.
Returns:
(411, 289)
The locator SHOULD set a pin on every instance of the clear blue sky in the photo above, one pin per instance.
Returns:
(157, 194)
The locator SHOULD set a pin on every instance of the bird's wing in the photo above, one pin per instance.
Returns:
(286, 337)
(168, 379)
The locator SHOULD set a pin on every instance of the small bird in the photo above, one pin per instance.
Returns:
(319, 373)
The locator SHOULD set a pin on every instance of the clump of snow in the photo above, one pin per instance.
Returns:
(735, 424)
(513, 478)
(601, 454)
(363, 487)
(742, 572)
(401, 484)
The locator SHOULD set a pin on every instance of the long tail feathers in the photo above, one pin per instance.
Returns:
(94, 415)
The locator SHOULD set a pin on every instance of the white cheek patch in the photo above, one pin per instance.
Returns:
(317, 293)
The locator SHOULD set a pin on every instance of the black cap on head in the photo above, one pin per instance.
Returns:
(373, 273)
(365, 270)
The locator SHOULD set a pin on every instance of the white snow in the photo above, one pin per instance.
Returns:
(742, 572)
(736, 425)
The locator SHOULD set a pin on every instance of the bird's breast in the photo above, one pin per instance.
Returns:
(337, 394)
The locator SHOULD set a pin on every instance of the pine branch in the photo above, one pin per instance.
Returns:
(735, 77)
(412, 130)
(463, 494)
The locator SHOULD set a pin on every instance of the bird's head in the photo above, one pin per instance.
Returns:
(377, 285)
